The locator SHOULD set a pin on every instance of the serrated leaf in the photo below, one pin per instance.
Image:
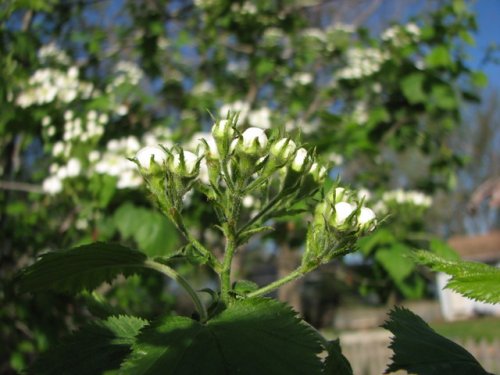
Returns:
(473, 280)
(418, 349)
(336, 363)
(95, 348)
(252, 336)
(243, 287)
(151, 230)
(83, 267)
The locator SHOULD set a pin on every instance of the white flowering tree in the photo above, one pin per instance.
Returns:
(86, 85)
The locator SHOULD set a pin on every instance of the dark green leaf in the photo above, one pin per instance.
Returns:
(84, 267)
(418, 349)
(473, 280)
(252, 336)
(95, 348)
(336, 363)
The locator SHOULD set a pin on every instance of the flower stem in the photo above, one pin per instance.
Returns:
(298, 273)
(170, 272)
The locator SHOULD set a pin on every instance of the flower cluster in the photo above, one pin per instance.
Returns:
(47, 85)
(240, 163)
(52, 53)
(338, 221)
(362, 62)
(401, 35)
(410, 197)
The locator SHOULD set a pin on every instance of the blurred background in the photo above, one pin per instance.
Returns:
(399, 97)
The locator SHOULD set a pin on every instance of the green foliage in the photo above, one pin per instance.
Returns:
(336, 363)
(151, 231)
(99, 346)
(473, 280)
(418, 349)
(84, 267)
(252, 336)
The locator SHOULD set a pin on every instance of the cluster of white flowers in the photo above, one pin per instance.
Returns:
(52, 53)
(400, 35)
(84, 128)
(342, 27)
(314, 33)
(88, 127)
(47, 85)
(202, 88)
(299, 78)
(274, 36)
(113, 161)
(238, 68)
(362, 62)
(240, 107)
(413, 197)
(260, 118)
(247, 7)
(126, 72)
(304, 127)
(360, 113)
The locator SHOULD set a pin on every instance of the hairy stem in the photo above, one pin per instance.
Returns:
(170, 272)
(298, 273)
(226, 269)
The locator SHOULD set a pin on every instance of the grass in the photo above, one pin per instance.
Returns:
(480, 328)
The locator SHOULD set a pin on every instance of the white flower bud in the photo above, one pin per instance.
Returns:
(74, 167)
(366, 218)
(283, 149)
(190, 161)
(223, 128)
(52, 185)
(342, 211)
(300, 160)
(253, 140)
(318, 172)
(147, 153)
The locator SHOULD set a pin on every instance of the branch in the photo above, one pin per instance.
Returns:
(21, 186)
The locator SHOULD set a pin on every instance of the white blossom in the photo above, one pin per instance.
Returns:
(147, 153)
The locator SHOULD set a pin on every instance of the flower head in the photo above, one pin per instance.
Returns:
(150, 153)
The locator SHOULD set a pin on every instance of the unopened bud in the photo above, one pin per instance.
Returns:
(301, 160)
(184, 163)
(223, 129)
(342, 211)
(150, 153)
(366, 219)
(283, 149)
(253, 141)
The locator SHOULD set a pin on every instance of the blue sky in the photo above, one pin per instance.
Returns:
(488, 18)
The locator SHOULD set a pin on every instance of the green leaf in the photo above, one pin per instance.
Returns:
(83, 267)
(439, 57)
(443, 97)
(473, 280)
(152, 231)
(443, 250)
(370, 243)
(413, 89)
(418, 349)
(479, 79)
(252, 336)
(95, 348)
(395, 261)
(336, 363)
